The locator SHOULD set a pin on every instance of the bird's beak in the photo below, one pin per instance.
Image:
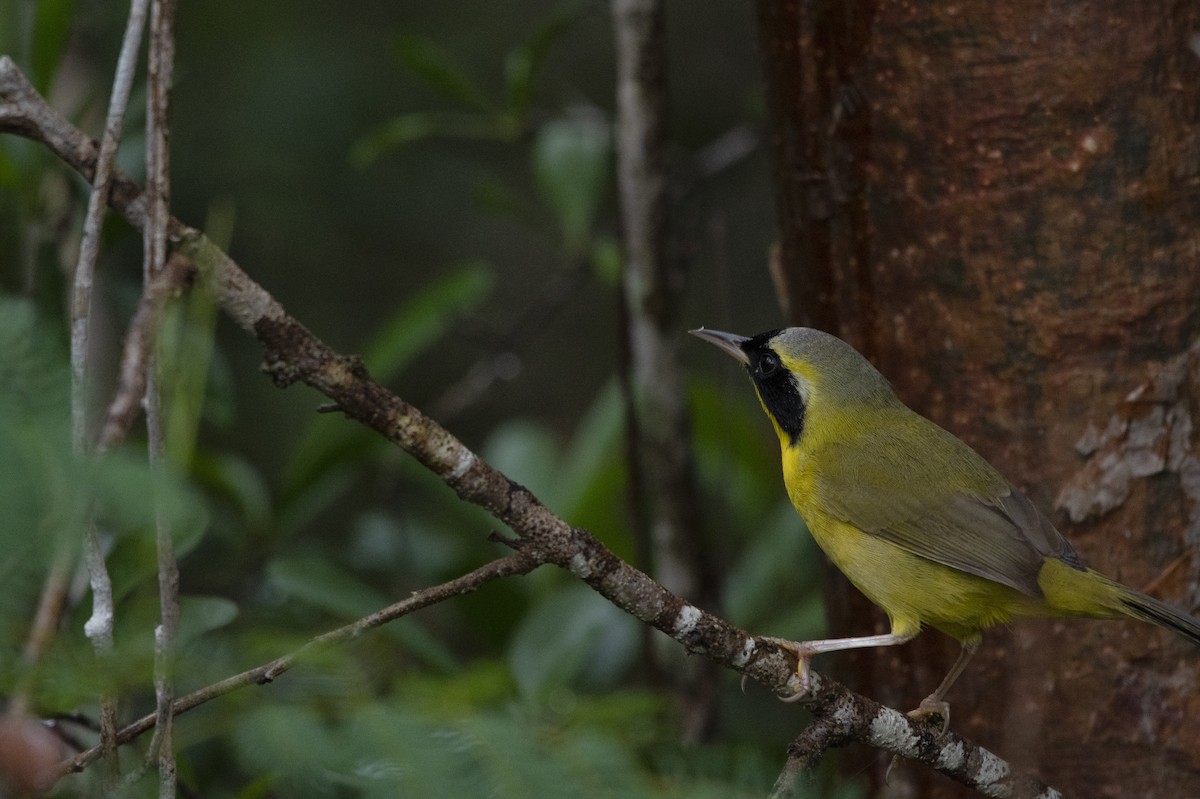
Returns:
(729, 342)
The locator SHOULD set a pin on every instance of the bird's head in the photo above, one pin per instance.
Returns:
(799, 372)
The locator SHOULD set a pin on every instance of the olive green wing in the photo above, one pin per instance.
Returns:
(949, 506)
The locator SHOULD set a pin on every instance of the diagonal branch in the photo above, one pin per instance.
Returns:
(292, 354)
(503, 567)
(135, 352)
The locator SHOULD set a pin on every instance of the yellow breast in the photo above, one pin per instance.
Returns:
(912, 591)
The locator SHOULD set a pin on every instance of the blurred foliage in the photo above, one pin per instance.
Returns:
(570, 148)
(527, 696)
(530, 687)
(47, 492)
(37, 34)
(504, 120)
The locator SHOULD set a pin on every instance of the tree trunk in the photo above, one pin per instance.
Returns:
(998, 203)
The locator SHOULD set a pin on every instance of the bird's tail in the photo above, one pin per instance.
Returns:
(1071, 591)
(1150, 609)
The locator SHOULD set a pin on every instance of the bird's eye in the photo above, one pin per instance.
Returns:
(768, 364)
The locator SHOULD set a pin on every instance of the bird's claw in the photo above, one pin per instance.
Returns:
(932, 706)
(803, 656)
(887, 773)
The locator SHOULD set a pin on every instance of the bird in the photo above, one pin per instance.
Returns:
(915, 518)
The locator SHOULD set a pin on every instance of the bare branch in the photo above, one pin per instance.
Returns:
(293, 354)
(97, 205)
(842, 717)
(662, 483)
(661, 479)
(99, 627)
(160, 60)
(42, 631)
(131, 379)
(508, 566)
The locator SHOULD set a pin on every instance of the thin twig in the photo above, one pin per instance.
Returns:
(45, 625)
(139, 338)
(99, 630)
(99, 627)
(160, 61)
(89, 249)
(501, 361)
(508, 566)
(663, 486)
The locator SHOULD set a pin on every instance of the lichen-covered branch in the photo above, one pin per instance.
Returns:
(292, 354)
(848, 717)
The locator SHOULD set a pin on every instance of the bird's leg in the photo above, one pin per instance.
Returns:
(805, 650)
(935, 703)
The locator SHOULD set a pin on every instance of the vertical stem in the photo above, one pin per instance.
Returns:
(45, 624)
(641, 189)
(652, 284)
(161, 61)
(99, 627)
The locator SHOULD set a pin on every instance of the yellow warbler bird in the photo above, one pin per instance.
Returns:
(916, 519)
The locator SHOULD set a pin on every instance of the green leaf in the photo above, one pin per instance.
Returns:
(34, 375)
(51, 34)
(519, 763)
(328, 587)
(323, 585)
(571, 163)
(11, 176)
(311, 489)
(43, 485)
(595, 448)
(522, 65)
(238, 481)
(483, 682)
(606, 260)
(572, 636)
(438, 71)
(505, 755)
(407, 755)
(527, 452)
(328, 445)
(410, 128)
(39, 511)
(130, 496)
(776, 579)
(395, 133)
(287, 742)
(185, 354)
(495, 196)
(737, 454)
(425, 318)
(202, 614)
(47, 491)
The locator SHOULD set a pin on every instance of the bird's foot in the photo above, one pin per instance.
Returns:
(930, 707)
(804, 653)
(933, 713)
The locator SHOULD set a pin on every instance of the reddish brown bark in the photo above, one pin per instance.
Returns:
(1008, 227)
